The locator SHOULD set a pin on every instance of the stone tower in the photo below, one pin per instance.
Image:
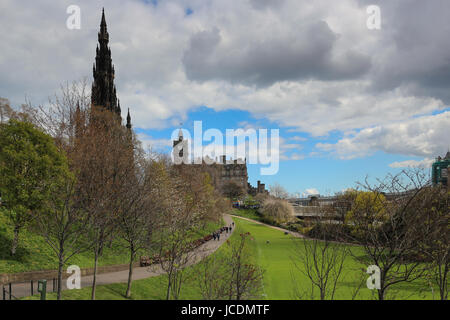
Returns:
(180, 149)
(103, 88)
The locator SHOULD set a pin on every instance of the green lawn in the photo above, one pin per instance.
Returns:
(274, 257)
(247, 213)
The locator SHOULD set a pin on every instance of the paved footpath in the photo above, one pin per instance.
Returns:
(23, 289)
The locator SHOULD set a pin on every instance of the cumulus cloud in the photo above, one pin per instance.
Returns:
(309, 66)
(425, 163)
(424, 136)
(306, 53)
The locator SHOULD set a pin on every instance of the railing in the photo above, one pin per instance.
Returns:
(7, 290)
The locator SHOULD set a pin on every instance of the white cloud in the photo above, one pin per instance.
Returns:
(425, 136)
(425, 163)
(149, 142)
(311, 191)
(331, 74)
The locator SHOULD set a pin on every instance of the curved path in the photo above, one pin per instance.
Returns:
(23, 289)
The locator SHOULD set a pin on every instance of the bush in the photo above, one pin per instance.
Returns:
(277, 210)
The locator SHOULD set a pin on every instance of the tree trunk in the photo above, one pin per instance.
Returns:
(94, 281)
(15, 240)
(381, 293)
(60, 271)
(169, 285)
(130, 272)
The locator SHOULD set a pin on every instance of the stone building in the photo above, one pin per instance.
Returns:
(222, 172)
(259, 189)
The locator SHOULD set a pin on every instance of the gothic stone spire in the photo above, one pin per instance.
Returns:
(128, 119)
(103, 88)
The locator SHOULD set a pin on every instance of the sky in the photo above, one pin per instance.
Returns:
(348, 101)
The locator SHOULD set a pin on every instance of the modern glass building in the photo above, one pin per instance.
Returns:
(440, 170)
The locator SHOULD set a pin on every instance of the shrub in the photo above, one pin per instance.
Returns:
(277, 210)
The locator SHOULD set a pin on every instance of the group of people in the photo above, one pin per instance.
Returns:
(226, 229)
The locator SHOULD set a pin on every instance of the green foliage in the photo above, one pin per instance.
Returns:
(30, 166)
(33, 253)
(368, 211)
(31, 169)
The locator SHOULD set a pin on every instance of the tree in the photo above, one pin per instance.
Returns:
(343, 203)
(103, 160)
(321, 261)
(232, 190)
(231, 275)
(64, 225)
(185, 197)
(212, 279)
(30, 170)
(136, 217)
(389, 229)
(25, 113)
(434, 249)
(245, 278)
(368, 211)
(278, 191)
(277, 210)
(6, 112)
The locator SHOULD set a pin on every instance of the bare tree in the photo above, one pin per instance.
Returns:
(178, 220)
(386, 224)
(434, 248)
(278, 191)
(212, 278)
(231, 275)
(321, 261)
(103, 160)
(64, 225)
(136, 217)
(245, 278)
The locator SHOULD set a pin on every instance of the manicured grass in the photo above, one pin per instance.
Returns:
(247, 213)
(33, 253)
(275, 258)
